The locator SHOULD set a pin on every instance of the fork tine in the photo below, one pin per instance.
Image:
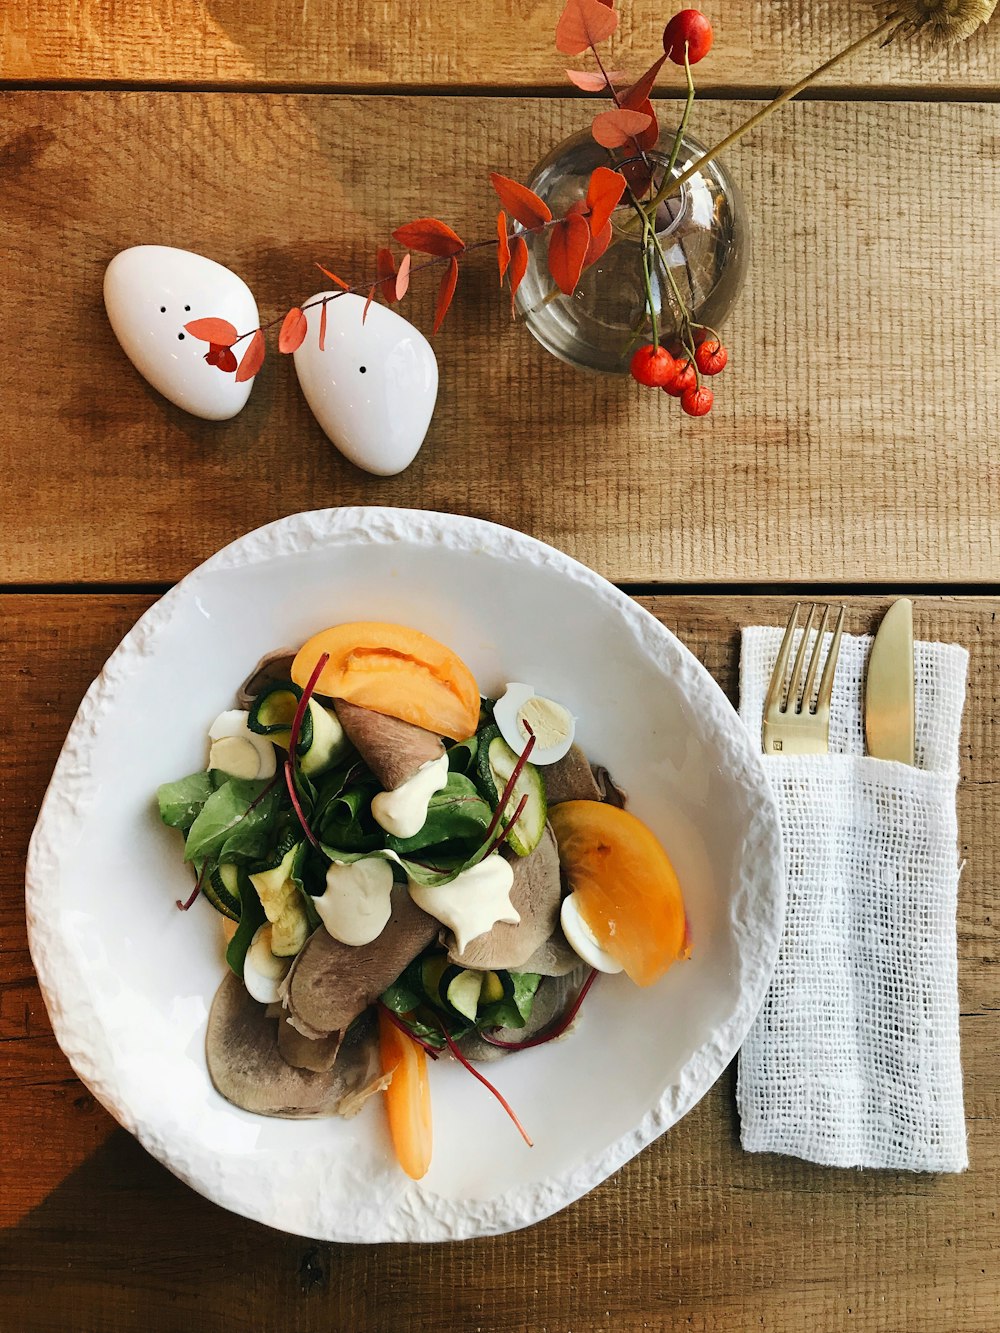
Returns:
(776, 689)
(826, 683)
(807, 689)
(800, 657)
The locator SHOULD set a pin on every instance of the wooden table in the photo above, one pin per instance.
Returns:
(853, 446)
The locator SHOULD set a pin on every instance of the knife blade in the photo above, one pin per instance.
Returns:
(889, 715)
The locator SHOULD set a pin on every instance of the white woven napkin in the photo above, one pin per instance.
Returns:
(853, 1059)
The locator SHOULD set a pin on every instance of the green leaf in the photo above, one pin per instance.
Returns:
(457, 813)
(227, 828)
(514, 1012)
(181, 802)
(251, 917)
(400, 998)
(462, 757)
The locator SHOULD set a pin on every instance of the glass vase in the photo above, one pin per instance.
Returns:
(703, 234)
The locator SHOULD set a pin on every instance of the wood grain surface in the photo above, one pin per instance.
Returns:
(396, 44)
(854, 435)
(694, 1234)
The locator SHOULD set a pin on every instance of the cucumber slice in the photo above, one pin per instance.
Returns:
(222, 890)
(495, 762)
(461, 988)
(321, 737)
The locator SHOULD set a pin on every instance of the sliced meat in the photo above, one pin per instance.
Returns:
(553, 997)
(536, 894)
(268, 671)
(570, 779)
(246, 1067)
(554, 958)
(317, 1054)
(611, 793)
(331, 983)
(392, 749)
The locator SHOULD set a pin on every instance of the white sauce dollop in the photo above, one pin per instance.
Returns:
(473, 902)
(263, 973)
(357, 901)
(402, 812)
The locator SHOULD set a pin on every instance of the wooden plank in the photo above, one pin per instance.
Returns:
(853, 435)
(694, 1233)
(396, 45)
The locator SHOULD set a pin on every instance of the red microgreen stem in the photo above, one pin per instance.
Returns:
(486, 1084)
(183, 907)
(556, 1030)
(508, 828)
(293, 740)
(508, 791)
(396, 1021)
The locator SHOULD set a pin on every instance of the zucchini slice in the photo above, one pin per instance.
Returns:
(497, 986)
(321, 737)
(283, 905)
(431, 971)
(460, 989)
(223, 891)
(495, 762)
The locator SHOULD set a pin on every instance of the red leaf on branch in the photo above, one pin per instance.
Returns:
(322, 326)
(604, 191)
(217, 331)
(598, 245)
(647, 138)
(616, 128)
(503, 245)
(446, 291)
(252, 359)
(293, 330)
(403, 276)
(638, 94)
(594, 83)
(333, 278)
(429, 236)
(223, 358)
(583, 24)
(518, 267)
(639, 175)
(371, 298)
(520, 202)
(569, 241)
(385, 267)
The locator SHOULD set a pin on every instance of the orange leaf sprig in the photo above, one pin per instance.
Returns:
(576, 241)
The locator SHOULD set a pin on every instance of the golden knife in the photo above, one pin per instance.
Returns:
(889, 714)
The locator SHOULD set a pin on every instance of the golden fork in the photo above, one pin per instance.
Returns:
(795, 723)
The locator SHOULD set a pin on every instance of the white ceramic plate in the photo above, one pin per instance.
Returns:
(128, 979)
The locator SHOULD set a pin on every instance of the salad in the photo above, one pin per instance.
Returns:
(406, 870)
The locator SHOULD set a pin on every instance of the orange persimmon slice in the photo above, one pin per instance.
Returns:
(626, 887)
(407, 1098)
(396, 671)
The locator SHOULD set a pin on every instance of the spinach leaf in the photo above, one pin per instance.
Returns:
(514, 1012)
(457, 813)
(181, 802)
(251, 916)
(462, 757)
(226, 826)
(346, 820)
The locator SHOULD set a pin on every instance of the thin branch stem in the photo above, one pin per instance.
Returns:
(682, 127)
(669, 186)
